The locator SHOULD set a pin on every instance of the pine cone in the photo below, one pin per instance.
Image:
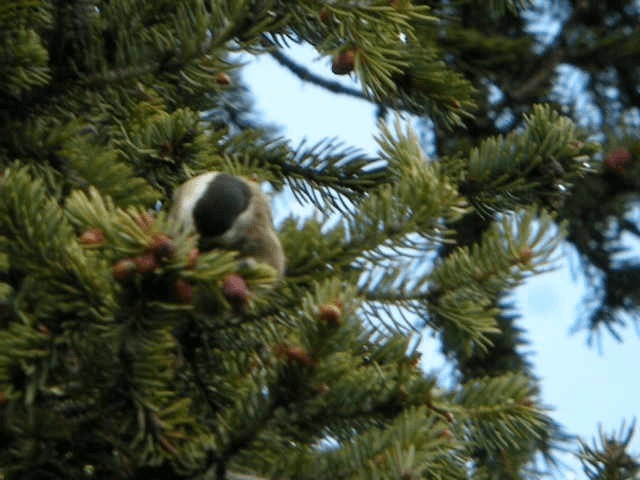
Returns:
(617, 160)
(123, 269)
(330, 314)
(223, 79)
(146, 263)
(162, 246)
(92, 236)
(325, 15)
(235, 290)
(344, 62)
(192, 258)
(184, 290)
(295, 355)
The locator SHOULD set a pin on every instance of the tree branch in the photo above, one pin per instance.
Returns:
(307, 75)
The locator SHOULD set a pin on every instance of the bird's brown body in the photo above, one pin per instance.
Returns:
(229, 212)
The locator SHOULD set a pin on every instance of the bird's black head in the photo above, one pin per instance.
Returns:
(225, 198)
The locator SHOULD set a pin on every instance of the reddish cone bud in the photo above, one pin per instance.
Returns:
(323, 389)
(192, 258)
(43, 329)
(330, 314)
(235, 290)
(123, 269)
(93, 236)
(184, 291)
(146, 263)
(223, 78)
(295, 355)
(162, 246)
(3, 398)
(617, 160)
(446, 434)
(344, 62)
(525, 255)
(324, 15)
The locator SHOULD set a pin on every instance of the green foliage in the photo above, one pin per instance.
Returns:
(27, 57)
(500, 422)
(120, 360)
(411, 447)
(352, 26)
(106, 172)
(467, 285)
(608, 457)
(538, 163)
(396, 67)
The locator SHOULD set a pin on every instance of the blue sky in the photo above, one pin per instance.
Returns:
(585, 386)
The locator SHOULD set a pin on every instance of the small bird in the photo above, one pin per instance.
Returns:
(228, 212)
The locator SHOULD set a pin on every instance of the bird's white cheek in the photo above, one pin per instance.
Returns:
(191, 193)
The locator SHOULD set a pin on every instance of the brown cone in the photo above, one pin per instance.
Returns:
(344, 62)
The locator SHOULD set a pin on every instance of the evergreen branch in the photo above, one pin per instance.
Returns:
(382, 39)
(110, 175)
(22, 345)
(537, 164)
(29, 214)
(466, 286)
(609, 456)
(410, 445)
(389, 387)
(241, 442)
(106, 375)
(411, 100)
(499, 410)
(328, 175)
(64, 282)
(23, 63)
(395, 218)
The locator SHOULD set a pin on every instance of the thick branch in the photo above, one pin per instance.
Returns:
(307, 75)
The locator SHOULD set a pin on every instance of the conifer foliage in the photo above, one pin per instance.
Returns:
(127, 353)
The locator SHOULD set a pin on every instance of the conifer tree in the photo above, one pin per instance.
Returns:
(123, 352)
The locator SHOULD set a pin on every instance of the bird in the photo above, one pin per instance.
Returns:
(229, 212)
